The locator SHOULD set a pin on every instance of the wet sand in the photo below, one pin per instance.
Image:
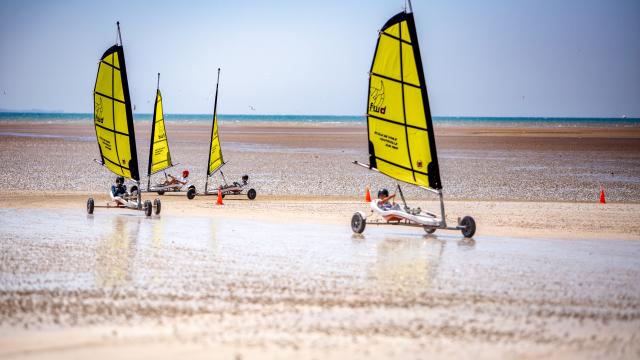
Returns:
(119, 285)
(532, 164)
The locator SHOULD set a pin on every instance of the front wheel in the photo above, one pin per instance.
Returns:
(251, 194)
(191, 193)
(148, 207)
(358, 223)
(160, 193)
(90, 206)
(157, 205)
(429, 229)
(469, 226)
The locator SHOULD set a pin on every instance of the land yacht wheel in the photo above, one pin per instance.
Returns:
(157, 205)
(429, 229)
(160, 193)
(358, 223)
(251, 194)
(191, 193)
(90, 206)
(469, 226)
(148, 207)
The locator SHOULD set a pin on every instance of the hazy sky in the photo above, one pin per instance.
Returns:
(481, 58)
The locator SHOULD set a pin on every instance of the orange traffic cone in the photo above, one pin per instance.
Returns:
(602, 199)
(367, 194)
(219, 201)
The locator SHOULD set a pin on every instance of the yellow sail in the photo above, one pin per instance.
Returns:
(400, 130)
(159, 155)
(113, 118)
(215, 151)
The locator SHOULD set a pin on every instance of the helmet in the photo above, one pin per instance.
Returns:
(185, 173)
(383, 193)
(245, 178)
(120, 180)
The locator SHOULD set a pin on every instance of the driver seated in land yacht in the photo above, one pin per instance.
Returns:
(178, 180)
(118, 191)
(384, 197)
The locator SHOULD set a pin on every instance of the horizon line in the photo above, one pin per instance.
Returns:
(621, 117)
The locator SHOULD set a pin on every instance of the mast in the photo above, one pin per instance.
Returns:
(213, 124)
(153, 133)
(129, 113)
(119, 35)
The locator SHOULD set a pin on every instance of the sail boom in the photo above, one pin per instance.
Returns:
(168, 167)
(435, 191)
(217, 169)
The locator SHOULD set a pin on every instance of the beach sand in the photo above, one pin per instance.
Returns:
(532, 164)
(551, 273)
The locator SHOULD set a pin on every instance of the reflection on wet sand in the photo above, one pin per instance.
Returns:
(406, 264)
(251, 283)
(115, 253)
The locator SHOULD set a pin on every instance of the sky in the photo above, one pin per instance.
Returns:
(565, 58)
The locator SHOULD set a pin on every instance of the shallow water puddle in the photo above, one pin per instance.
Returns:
(233, 280)
(70, 250)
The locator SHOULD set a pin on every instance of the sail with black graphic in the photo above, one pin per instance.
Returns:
(113, 123)
(401, 141)
(159, 154)
(113, 117)
(400, 128)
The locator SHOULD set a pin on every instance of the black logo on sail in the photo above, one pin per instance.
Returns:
(376, 99)
(98, 111)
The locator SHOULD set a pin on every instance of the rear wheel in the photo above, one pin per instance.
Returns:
(429, 229)
(191, 193)
(251, 194)
(469, 226)
(157, 205)
(90, 206)
(160, 193)
(148, 207)
(357, 223)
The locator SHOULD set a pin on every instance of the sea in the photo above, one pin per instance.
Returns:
(61, 117)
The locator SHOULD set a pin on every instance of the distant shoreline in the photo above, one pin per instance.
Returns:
(250, 119)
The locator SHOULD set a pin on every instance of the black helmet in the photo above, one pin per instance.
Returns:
(245, 178)
(383, 193)
(120, 180)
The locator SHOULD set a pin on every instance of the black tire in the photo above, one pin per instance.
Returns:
(160, 193)
(90, 206)
(191, 193)
(222, 195)
(251, 194)
(148, 207)
(469, 226)
(358, 223)
(158, 205)
(429, 229)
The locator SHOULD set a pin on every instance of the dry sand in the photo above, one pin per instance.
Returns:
(106, 286)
